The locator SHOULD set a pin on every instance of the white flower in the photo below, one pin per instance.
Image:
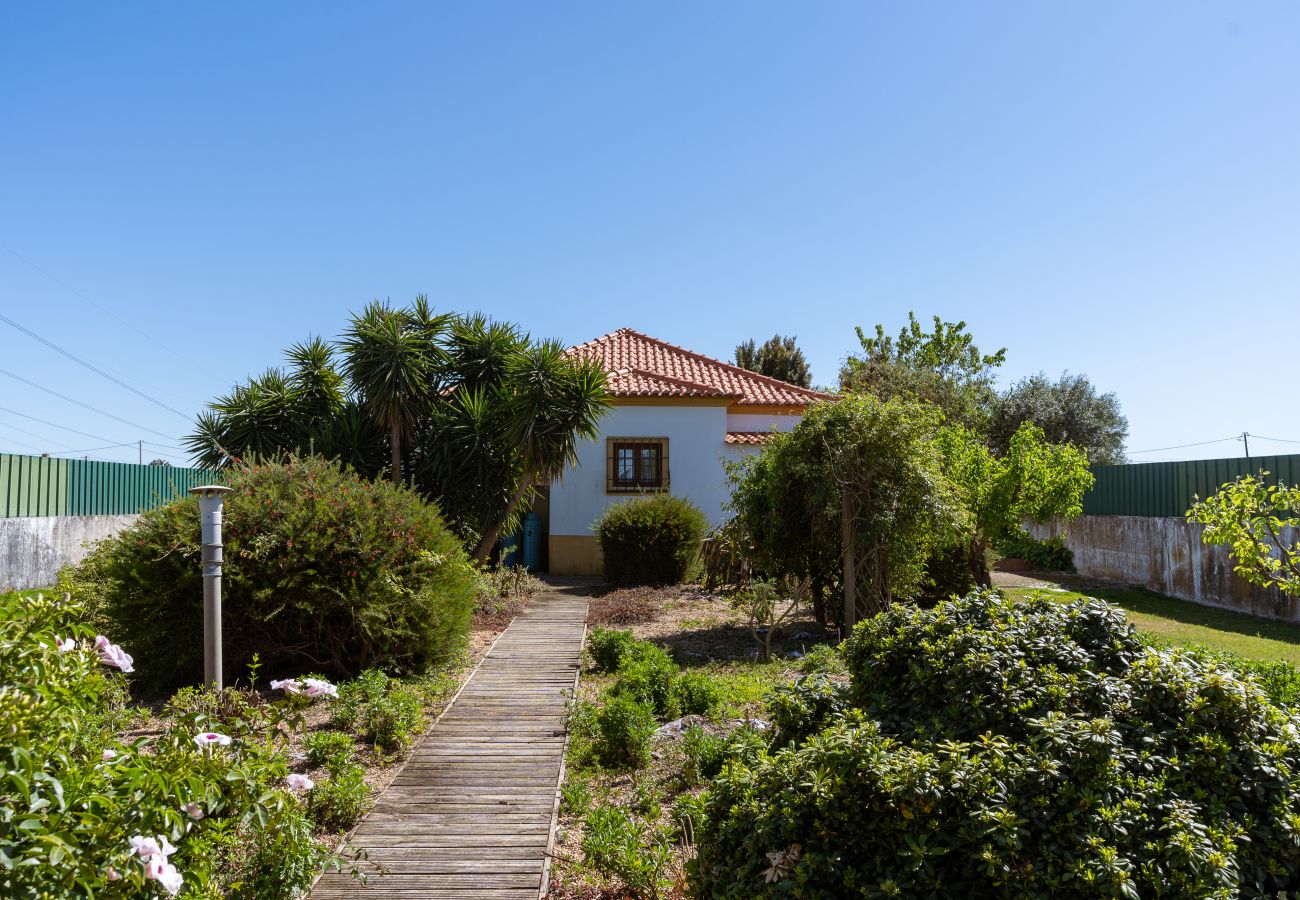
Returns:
(151, 848)
(319, 687)
(160, 870)
(209, 738)
(288, 685)
(782, 863)
(108, 755)
(111, 654)
(65, 646)
(298, 782)
(193, 810)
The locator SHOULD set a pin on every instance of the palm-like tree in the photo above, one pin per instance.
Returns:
(550, 402)
(395, 360)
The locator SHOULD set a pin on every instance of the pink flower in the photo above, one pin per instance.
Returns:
(148, 848)
(298, 782)
(210, 738)
(112, 655)
(319, 687)
(64, 646)
(112, 874)
(288, 685)
(108, 755)
(193, 810)
(160, 870)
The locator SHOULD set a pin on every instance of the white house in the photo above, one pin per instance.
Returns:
(677, 415)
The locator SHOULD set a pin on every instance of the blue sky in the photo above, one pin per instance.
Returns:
(1107, 188)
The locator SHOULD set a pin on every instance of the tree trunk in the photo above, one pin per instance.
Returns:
(976, 562)
(819, 600)
(489, 540)
(395, 444)
(850, 576)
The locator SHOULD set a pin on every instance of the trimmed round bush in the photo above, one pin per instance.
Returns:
(324, 571)
(992, 748)
(650, 540)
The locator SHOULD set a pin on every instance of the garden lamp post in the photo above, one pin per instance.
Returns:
(211, 501)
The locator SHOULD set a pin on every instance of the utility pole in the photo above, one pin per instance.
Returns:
(1245, 439)
(140, 456)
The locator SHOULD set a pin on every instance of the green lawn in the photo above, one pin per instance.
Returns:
(1185, 623)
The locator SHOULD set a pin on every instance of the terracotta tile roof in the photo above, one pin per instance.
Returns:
(748, 437)
(641, 366)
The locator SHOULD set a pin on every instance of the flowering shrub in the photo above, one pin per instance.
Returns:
(991, 748)
(323, 570)
(197, 808)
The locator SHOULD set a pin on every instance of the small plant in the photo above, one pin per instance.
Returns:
(648, 675)
(646, 800)
(650, 540)
(336, 803)
(575, 796)
(608, 647)
(687, 816)
(824, 658)
(329, 749)
(694, 693)
(380, 709)
(623, 728)
(705, 752)
(617, 845)
(769, 605)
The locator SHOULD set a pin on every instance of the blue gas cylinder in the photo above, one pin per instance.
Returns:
(533, 541)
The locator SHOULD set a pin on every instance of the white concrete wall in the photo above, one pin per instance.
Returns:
(696, 447)
(33, 550)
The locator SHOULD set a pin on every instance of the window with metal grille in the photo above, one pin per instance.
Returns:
(636, 465)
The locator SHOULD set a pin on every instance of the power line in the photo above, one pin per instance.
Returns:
(22, 444)
(188, 359)
(1235, 437)
(55, 393)
(97, 437)
(1260, 437)
(39, 437)
(98, 371)
(92, 449)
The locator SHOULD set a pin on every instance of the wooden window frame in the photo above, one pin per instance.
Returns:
(614, 486)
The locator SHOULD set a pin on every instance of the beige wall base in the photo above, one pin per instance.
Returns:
(575, 554)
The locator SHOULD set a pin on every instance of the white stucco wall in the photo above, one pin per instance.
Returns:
(696, 447)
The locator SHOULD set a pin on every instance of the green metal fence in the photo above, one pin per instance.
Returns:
(1167, 488)
(44, 486)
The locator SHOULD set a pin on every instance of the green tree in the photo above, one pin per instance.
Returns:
(779, 357)
(1068, 410)
(1034, 481)
(943, 367)
(394, 359)
(1259, 523)
(853, 499)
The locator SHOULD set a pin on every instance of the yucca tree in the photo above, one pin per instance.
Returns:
(395, 361)
(255, 419)
(550, 402)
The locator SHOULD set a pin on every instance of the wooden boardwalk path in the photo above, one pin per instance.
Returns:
(472, 813)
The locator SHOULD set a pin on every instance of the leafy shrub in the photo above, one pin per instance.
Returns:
(806, 706)
(707, 752)
(623, 728)
(608, 647)
(825, 658)
(336, 803)
(650, 540)
(648, 675)
(948, 574)
(694, 693)
(380, 709)
(575, 795)
(1030, 749)
(1047, 555)
(73, 795)
(502, 593)
(332, 749)
(358, 573)
(687, 814)
(618, 845)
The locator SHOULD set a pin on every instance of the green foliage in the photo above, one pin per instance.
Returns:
(806, 706)
(1252, 518)
(706, 752)
(943, 368)
(881, 461)
(575, 795)
(609, 647)
(650, 540)
(74, 794)
(687, 814)
(337, 803)
(321, 568)
(1069, 411)
(825, 658)
(694, 693)
(330, 749)
(997, 748)
(779, 357)
(618, 845)
(1047, 555)
(623, 727)
(380, 709)
(648, 676)
(769, 605)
